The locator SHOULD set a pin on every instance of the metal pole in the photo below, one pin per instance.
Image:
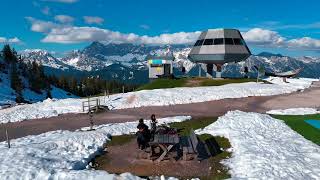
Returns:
(123, 89)
(108, 92)
(105, 94)
(199, 70)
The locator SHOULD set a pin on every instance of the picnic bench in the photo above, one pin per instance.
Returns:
(166, 142)
(189, 147)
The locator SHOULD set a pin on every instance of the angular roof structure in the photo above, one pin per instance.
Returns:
(219, 46)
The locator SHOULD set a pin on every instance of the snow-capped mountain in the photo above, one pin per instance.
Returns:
(43, 57)
(127, 62)
(99, 55)
(276, 63)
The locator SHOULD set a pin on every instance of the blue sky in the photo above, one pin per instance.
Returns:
(287, 27)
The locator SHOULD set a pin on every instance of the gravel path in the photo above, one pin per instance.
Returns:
(307, 98)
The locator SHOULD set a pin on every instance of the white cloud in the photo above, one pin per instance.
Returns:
(305, 43)
(64, 18)
(46, 10)
(2, 39)
(144, 26)
(62, 1)
(93, 20)
(263, 37)
(64, 33)
(14, 40)
(43, 26)
(267, 38)
(89, 34)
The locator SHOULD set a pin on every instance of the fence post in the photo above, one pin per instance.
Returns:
(97, 105)
(83, 106)
(89, 104)
(7, 134)
(105, 94)
(123, 89)
(91, 120)
(108, 92)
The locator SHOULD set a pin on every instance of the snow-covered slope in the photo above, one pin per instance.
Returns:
(63, 154)
(157, 97)
(8, 95)
(265, 148)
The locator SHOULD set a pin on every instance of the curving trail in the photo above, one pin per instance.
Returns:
(307, 98)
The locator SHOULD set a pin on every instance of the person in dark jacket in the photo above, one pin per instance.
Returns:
(143, 134)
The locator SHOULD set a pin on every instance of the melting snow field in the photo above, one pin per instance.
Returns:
(157, 97)
(265, 148)
(294, 111)
(63, 154)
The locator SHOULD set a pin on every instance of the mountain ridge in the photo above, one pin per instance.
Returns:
(97, 57)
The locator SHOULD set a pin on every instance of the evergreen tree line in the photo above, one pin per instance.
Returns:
(89, 86)
(33, 72)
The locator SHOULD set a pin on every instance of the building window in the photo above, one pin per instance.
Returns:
(237, 41)
(196, 44)
(208, 42)
(199, 42)
(218, 41)
(156, 65)
(228, 41)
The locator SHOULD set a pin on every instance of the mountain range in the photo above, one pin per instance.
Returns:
(127, 62)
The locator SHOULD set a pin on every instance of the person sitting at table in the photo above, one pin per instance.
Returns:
(153, 125)
(143, 134)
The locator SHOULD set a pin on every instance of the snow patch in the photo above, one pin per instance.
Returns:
(294, 111)
(157, 97)
(63, 154)
(265, 148)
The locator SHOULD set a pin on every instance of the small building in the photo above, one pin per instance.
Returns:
(160, 65)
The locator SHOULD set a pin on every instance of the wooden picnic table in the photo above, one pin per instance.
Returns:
(166, 142)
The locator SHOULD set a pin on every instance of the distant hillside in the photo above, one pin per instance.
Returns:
(268, 54)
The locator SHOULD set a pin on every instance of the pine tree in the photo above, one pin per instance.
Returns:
(16, 83)
(7, 54)
(74, 85)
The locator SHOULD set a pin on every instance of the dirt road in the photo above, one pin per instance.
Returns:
(307, 98)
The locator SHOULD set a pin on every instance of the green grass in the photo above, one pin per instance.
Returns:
(120, 140)
(163, 83)
(298, 124)
(194, 124)
(220, 82)
(190, 82)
